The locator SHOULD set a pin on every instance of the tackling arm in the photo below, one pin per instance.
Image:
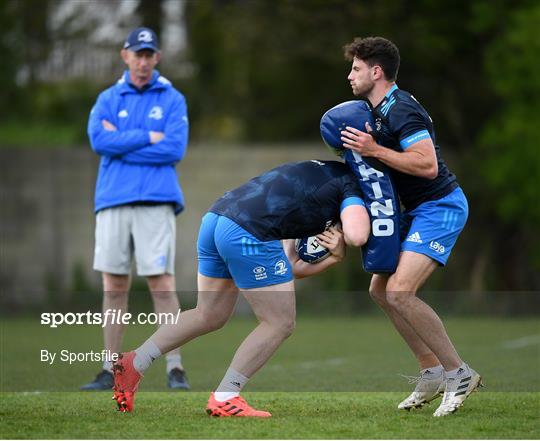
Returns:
(331, 239)
(356, 225)
(419, 159)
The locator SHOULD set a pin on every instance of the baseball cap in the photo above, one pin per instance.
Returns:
(142, 38)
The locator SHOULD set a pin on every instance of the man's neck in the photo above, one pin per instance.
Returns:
(378, 92)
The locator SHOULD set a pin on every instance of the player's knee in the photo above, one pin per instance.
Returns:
(161, 283)
(212, 320)
(115, 285)
(377, 289)
(377, 294)
(115, 292)
(164, 295)
(285, 328)
(398, 296)
(397, 284)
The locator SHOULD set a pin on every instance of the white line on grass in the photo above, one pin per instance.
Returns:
(308, 365)
(523, 342)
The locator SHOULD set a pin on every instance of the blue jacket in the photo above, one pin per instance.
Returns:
(131, 169)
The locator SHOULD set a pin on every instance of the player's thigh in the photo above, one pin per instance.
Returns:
(252, 263)
(436, 225)
(216, 298)
(217, 292)
(113, 247)
(412, 271)
(154, 237)
(274, 303)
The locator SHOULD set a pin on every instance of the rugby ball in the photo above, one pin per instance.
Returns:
(350, 113)
(310, 250)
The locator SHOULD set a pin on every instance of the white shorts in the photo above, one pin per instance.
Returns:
(146, 231)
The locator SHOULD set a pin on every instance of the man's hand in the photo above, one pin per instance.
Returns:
(334, 241)
(156, 137)
(359, 141)
(108, 125)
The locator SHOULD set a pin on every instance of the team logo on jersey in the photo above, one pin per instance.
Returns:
(145, 36)
(437, 247)
(280, 268)
(260, 273)
(378, 124)
(156, 113)
(123, 113)
(415, 237)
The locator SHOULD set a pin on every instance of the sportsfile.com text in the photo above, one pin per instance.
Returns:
(108, 317)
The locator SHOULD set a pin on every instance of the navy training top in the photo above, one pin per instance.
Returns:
(296, 199)
(400, 121)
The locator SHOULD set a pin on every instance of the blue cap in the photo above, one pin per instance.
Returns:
(142, 38)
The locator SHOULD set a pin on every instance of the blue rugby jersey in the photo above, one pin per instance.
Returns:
(293, 200)
(400, 121)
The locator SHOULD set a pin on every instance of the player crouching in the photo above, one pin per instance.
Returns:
(246, 245)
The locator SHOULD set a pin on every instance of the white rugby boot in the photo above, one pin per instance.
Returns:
(429, 386)
(457, 389)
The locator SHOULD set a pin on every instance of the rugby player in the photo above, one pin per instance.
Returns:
(435, 213)
(240, 250)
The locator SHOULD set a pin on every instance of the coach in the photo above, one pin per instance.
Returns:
(139, 128)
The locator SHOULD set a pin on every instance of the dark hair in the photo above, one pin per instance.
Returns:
(375, 51)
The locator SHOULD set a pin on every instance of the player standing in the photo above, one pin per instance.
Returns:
(435, 213)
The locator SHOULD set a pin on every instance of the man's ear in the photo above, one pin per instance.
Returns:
(124, 55)
(158, 56)
(378, 73)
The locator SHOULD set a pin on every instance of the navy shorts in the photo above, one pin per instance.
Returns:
(433, 227)
(226, 251)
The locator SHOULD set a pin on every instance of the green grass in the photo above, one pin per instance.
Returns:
(334, 378)
(300, 415)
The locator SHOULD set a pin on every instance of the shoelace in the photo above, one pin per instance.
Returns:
(411, 379)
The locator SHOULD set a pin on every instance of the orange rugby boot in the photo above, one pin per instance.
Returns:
(126, 382)
(234, 407)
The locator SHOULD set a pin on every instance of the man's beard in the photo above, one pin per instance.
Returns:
(364, 92)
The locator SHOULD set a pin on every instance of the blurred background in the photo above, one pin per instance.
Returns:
(257, 76)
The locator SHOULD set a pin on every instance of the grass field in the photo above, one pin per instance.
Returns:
(334, 378)
(305, 415)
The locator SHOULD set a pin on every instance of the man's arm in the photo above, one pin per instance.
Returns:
(172, 147)
(356, 225)
(331, 239)
(419, 159)
(106, 141)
